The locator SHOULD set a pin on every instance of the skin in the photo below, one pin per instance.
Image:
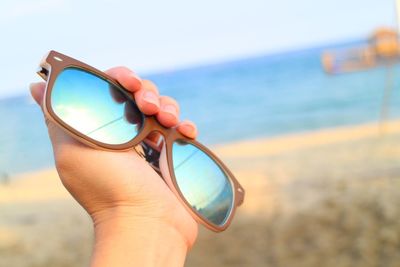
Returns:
(137, 220)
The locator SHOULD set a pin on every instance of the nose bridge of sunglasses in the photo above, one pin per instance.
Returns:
(150, 148)
(155, 139)
(151, 155)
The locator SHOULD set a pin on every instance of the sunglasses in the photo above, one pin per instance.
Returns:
(96, 110)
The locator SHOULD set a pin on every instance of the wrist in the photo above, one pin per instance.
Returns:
(123, 238)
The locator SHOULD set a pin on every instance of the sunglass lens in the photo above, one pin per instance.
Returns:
(202, 182)
(94, 107)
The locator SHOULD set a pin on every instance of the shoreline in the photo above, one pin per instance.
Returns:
(294, 141)
(44, 184)
(264, 146)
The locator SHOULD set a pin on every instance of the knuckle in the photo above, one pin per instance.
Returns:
(117, 72)
(189, 122)
(68, 156)
(149, 85)
(169, 100)
(63, 161)
(68, 160)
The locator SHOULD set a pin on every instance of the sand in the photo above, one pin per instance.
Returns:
(324, 198)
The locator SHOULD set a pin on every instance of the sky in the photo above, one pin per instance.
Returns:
(152, 36)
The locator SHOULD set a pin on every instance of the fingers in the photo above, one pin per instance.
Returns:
(145, 92)
(37, 91)
(188, 129)
(127, 78)
(169, 112)
(148, 98)
(166, 109)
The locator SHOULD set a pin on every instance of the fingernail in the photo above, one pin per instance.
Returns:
(151, 97)
(171, 109)
(188, 128)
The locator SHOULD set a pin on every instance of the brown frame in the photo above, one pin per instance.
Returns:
(54, 62)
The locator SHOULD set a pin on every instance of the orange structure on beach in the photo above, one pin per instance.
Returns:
(385, 43)
(383, 48)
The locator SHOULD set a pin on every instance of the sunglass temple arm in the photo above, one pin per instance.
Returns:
(44, 67)
(43, 72)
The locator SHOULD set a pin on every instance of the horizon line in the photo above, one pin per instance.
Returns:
(259, 55)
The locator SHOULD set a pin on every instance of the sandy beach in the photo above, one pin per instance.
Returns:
(324, 198)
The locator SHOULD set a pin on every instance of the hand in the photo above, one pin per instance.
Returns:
(133, 210)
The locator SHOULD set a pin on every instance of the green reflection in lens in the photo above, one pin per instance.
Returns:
(202, 182)
(95, 107)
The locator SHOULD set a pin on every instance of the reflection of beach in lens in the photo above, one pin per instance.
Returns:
(202, 182)
(94, 107)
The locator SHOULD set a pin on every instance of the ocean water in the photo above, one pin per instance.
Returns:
(257, 97)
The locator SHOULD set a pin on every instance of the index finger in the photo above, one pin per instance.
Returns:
(127, 78)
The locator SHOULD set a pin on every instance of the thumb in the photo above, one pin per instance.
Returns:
(37, 91)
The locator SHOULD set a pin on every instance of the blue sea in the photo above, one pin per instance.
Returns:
(257, 97)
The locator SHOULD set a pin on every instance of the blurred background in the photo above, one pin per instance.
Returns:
(299, 98)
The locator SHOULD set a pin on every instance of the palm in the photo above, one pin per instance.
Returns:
(101, 180)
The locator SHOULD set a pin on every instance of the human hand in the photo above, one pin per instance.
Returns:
(135, 214)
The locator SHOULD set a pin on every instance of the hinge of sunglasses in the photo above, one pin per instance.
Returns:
(241, 195)
(146, 153)
(43, 72)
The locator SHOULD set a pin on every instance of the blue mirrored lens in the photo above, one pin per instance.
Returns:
(95, 107)
(204, 185)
